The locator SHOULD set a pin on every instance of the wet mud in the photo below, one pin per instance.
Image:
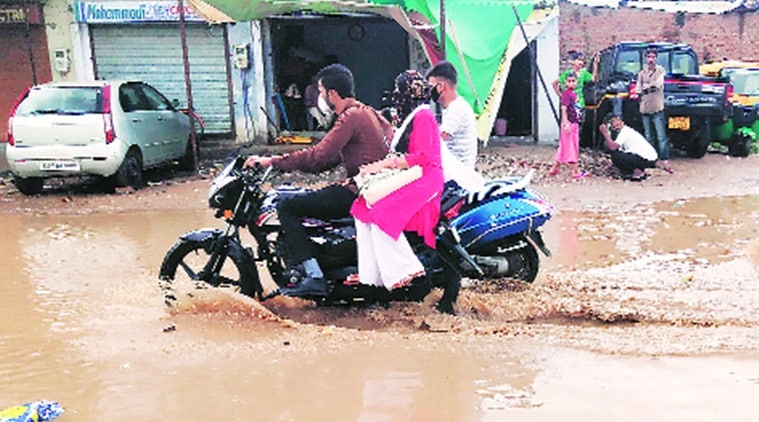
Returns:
(646, 310)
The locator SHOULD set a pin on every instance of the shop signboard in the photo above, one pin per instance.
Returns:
(130, 11)
(12, 14)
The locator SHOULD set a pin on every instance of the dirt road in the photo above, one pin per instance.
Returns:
(714, 175)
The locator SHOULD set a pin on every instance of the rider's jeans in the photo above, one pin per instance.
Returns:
(661, 143)
(331, 202)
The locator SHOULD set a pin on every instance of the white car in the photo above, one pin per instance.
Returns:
(112, 129)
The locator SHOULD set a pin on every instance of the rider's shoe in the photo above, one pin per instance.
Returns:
(308, 286)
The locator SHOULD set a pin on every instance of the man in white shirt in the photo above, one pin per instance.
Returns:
(457, 128)
(630, 151)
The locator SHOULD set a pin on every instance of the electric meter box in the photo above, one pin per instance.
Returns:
(61, 60)
(240, 53)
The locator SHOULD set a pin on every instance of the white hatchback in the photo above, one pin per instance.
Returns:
(111, 129)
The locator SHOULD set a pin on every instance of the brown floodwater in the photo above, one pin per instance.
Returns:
(644, 312)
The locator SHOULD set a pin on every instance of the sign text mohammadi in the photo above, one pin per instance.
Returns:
(130, 11)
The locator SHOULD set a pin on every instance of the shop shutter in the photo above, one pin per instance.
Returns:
(16, 69)
(153, 53)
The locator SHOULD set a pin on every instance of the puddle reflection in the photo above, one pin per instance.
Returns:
(710, 229)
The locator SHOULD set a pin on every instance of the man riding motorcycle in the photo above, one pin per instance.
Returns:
(360, 135)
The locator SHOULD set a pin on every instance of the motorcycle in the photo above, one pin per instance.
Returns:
(491, 233)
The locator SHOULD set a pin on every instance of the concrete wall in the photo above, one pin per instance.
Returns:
(248, 84)
(58, 19)
(548, 62)
(713, 36)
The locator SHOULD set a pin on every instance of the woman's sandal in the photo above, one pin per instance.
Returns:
(408, 280)
(352, 280)
(579, 175)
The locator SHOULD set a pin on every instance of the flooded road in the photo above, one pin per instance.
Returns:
(643, 311)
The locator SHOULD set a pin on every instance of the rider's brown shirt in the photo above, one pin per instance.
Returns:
(359, 136)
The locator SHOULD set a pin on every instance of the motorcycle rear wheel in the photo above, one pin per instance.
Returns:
(185, 261)
(524, 263)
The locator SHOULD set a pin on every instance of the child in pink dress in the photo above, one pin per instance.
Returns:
(569, 138)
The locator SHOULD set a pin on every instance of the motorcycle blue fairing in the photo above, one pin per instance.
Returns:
(505, 210)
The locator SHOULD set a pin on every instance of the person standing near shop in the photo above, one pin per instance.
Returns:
(457, 128)
(582, 75)
(311, 102)
(569, 138)
(650, 89)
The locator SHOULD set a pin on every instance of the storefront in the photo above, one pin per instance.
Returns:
(25, 54)
(141, 40)
(375, 48)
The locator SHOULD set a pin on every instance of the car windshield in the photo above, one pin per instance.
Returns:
(631, 62)
(745, 83)
(628, 62)
(61, 100)
(683, 63)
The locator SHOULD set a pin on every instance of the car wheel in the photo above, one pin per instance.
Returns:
(187, 161)
(28, 185)
(130, 171)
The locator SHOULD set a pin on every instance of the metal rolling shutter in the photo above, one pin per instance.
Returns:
(153, 53)
(16, 69)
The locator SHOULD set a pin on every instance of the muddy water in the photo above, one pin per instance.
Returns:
(649, 311)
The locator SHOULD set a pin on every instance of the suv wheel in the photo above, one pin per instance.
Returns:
(28, 185)
(698, 146)
(130, 171)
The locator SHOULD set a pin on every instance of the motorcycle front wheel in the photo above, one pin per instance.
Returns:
(186, 261)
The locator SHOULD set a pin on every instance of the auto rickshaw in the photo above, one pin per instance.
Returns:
(740, 132)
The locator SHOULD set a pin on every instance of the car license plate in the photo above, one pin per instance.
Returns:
(682, 123)
(59, 166)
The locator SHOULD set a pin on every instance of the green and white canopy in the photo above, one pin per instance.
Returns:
(477, 32)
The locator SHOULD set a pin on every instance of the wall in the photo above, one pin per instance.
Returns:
(58, 20)
(248, 84)
(548, 55)
(713, 36)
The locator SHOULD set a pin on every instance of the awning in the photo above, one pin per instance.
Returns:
(477, 34)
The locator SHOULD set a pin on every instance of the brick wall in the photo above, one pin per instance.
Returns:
(590, 29)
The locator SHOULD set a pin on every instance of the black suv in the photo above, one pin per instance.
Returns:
(692, 103)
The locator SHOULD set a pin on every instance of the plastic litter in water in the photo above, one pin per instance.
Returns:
(36, 411)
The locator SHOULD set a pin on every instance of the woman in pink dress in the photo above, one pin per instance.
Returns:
(569, 137)
(385, 257)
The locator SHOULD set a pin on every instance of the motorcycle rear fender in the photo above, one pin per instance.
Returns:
(536, 238)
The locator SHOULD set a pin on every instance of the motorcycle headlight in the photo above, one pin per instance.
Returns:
(225, 195)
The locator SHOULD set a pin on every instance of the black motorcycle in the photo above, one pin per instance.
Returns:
(218, 257)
